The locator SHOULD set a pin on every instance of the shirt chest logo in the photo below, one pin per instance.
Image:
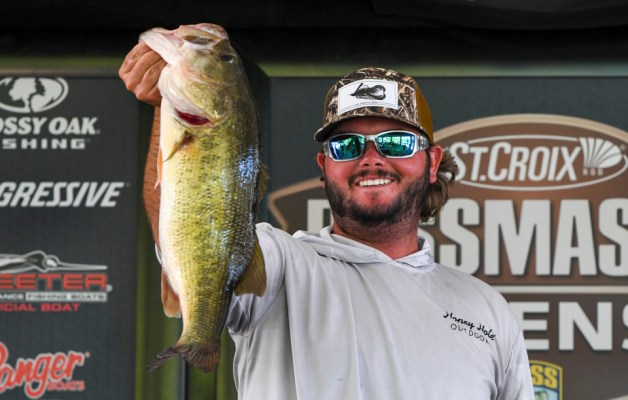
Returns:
(474, 330)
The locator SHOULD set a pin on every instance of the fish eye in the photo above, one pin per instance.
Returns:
(196, 39)
(228, 58)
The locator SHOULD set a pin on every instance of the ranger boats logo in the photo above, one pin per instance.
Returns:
(46, 372)
(31, 95)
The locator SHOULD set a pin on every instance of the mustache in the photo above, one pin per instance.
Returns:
(379, 172)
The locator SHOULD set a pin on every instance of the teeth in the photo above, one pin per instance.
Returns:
(374, 182)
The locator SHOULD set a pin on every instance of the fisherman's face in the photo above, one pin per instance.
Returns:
(374, 190)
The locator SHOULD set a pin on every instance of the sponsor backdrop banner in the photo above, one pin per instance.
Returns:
(540, 209)
(68, 208)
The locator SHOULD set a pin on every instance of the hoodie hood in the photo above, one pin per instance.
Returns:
(341, 248)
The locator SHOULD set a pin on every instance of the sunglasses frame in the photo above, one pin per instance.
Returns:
(421, 143)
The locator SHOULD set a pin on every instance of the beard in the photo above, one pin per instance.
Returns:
(406, 206)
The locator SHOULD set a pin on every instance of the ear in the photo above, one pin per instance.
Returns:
(320, 160)
(436, 155)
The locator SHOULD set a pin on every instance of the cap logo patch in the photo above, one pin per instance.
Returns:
(367, 93)
(377, 92)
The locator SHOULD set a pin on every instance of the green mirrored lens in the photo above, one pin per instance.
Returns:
(346, 147)
(396, 144)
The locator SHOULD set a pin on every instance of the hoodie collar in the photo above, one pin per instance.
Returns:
(342, 248)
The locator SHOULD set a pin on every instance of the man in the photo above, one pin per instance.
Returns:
(361, 310)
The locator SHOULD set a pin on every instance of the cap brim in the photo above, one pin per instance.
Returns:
(323, 133)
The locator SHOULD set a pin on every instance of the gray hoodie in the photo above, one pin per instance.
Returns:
(341, 320)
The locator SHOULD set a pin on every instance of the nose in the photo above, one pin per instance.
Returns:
(371, 155)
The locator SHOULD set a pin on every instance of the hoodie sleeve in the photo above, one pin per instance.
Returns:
(517, 380)
(248, 308)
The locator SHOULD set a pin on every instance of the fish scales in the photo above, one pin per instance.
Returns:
(210, 172)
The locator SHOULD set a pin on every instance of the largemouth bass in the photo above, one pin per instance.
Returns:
(210, 175)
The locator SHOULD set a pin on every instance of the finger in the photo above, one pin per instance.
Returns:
(131, 58)
(136, 64)
(148, 60)
(147, 90)
(154, 97)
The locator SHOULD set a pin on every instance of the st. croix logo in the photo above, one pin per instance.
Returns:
(536, 152)
(27, 95)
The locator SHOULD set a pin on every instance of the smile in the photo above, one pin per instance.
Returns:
(374, 182)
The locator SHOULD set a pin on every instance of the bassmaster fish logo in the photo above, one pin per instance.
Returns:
(547, 379)
(31, 95)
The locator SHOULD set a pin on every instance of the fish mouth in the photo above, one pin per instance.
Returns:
(192, 119)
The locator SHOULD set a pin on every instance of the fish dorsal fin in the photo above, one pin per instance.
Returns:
(254, 278)
(169, 298)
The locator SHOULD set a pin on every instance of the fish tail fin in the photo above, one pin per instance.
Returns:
(253, 280)
(204, 358)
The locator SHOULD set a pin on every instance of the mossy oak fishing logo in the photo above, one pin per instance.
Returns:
(547, 379)
(26, 120)
(31, 95)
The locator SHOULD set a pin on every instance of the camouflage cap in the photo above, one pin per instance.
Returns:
(376, 92)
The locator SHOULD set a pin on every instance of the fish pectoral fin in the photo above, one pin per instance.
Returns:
(169, 299)
(159, 161)
(183, 141)
(262, 182)
(253, 279)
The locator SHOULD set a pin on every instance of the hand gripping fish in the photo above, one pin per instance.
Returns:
(210, 175)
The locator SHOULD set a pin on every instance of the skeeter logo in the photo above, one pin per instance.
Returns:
(31, 95)
(536, 152)
(46, 372)
(37, 281)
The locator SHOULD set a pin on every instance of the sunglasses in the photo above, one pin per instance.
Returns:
(390, 144)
